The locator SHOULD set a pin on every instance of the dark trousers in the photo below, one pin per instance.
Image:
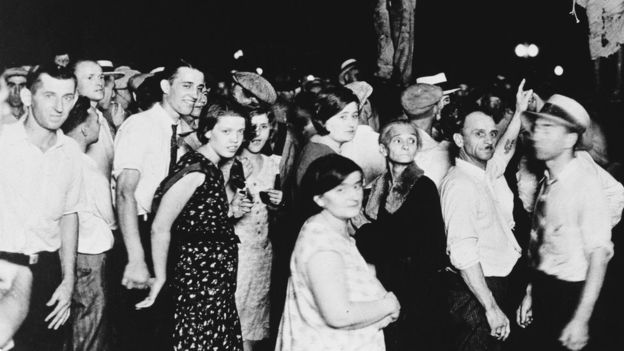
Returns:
(554, 303)
(90, 315)
(469, 326)
(34, 334)
(145, 329)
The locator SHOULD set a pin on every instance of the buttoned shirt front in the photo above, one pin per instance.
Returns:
(143, 143)
(36, 190)
(575, 223)
(96, 221)
(477, 206)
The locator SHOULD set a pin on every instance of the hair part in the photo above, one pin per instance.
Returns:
(211, 113)
(33, 80)
(329, 103)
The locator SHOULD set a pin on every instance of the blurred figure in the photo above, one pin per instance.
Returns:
(334, 301)
(62, 59)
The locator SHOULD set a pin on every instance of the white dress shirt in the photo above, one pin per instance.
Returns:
(364, 150)
(36, 189)
(96, 221)
(433, 157)
(575, 224)
(143, 143)
(477, 206)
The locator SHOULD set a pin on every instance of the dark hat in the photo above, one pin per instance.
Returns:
(256, 85)
(418, 98)
(564, 111)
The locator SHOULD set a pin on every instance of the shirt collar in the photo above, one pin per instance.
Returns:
(163, 115)
(568, 171)
(471, 169)
(16, 133)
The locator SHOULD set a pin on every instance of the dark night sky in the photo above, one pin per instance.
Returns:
(469, 40)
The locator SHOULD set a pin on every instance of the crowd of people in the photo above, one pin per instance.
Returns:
(166, 211)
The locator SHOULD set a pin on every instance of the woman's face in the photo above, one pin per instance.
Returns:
(401, 148)
(341, 126)
(227, 135)
(345, 200)
(262, 127)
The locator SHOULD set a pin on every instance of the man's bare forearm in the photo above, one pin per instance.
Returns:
(69, 245)
(593, 284)
(475, 280)
(129, 225)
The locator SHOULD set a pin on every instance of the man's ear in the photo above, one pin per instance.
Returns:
(165, 86)
(458, 139)
(319, 200)
(571, 139)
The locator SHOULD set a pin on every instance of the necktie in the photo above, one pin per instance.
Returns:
(539, 222)
(174, 147)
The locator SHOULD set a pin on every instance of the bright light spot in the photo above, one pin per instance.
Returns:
(238, 54)
(259, 70)
(521, 50)
(558, 70)
(310, 77)
(533, 50)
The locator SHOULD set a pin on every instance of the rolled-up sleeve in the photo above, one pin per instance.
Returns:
(129, 147)
(459, 212)
(594, 219)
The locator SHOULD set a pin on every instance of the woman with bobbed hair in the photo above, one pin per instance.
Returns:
(334, 301)
(191, 209)
(335, 118)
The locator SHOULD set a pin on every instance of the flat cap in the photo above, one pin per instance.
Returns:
(257, 85)
(418, 98)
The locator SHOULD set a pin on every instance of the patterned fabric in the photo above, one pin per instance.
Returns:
(302, 327)
(204, 257)
(255, 257)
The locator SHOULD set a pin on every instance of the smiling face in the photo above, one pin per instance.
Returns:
(345, 200)
(183, 91)
(477, 139)
(90, 80)
(263, 128)
(341, 126)
(227, 135)
(52, 100)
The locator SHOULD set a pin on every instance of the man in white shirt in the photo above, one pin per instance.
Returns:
(95, 237)
(421, 104)
(477, 206)
(40, 188)
(146, 149)
(570, 243)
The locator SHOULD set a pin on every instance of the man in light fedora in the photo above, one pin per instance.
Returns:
(570, 242)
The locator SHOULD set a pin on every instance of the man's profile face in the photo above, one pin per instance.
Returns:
(184, 90)
(477, 139)
(52, 100)
(109, 93)
(90, 80)
(15, 85)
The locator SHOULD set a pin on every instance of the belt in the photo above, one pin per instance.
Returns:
(20, 259)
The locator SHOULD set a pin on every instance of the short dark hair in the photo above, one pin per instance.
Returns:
(170, 72)
(330, 102)
(212, 112)
(34, 76)
(324, 174)
(77, 115)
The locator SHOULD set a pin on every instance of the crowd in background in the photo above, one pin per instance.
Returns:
(166, 210)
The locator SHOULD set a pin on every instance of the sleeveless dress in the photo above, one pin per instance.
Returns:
(302, 327)
(203, 259)
(255, 257)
